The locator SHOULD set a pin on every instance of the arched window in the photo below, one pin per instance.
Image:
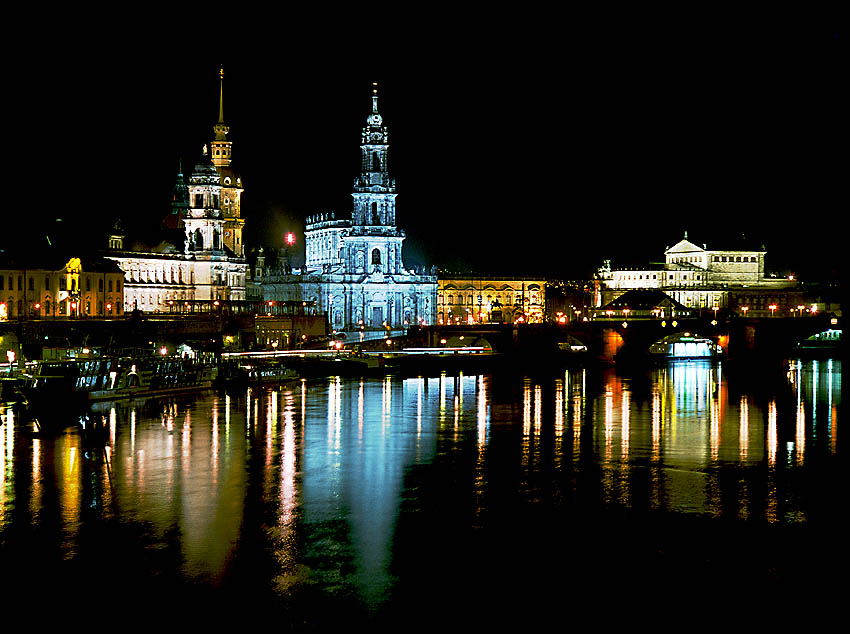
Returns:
(376, 217)
(199, 239)
(376, 257)
(376, 162)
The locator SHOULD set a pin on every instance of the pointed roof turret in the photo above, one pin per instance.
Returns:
(180, 193)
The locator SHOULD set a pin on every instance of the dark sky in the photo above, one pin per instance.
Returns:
(544, 154)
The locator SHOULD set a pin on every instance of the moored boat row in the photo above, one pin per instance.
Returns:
(52, 384)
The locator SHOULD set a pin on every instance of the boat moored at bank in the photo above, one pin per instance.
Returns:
(117, 377)
(685, 345)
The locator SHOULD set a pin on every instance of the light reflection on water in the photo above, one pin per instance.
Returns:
(309, 482)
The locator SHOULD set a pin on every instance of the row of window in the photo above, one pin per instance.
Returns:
(48, 308)
(716, 258)
(736, 258)
(472, 300)
(63, 284)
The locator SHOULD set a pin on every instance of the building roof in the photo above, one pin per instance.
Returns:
(644, 299)
(729, 243)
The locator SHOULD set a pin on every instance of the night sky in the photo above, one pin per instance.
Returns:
(537, 155)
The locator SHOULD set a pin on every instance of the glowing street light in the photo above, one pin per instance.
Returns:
(772, 308)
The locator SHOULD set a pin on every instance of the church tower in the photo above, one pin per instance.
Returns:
(231, 183)
(374, 243)
(353, 267)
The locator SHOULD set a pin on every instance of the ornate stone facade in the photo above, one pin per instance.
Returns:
(354, 269)
(467, 300)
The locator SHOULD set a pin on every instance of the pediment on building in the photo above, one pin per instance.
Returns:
(685, 246)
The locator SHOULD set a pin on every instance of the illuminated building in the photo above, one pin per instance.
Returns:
(466, 300)
(354, 270)
(78, 288)
(199, 256)
(699, 278)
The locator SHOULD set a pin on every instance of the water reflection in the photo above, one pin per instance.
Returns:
(312, 481)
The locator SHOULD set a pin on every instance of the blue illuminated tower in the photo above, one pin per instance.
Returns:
(353, 267)
(374, 236)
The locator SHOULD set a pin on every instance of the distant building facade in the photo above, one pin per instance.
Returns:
(202, 260)
(354, 271)
(81, 288)
(699, 278)
(472, 300)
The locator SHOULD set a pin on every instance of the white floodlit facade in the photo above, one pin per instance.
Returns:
(206, 262)
(354, 269)
(694, 276)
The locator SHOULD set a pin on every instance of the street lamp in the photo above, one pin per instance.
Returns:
(772, 308)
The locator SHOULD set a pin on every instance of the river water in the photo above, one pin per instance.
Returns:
(673, 492)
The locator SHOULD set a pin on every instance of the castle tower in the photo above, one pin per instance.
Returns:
(203, 222)
(231, 183)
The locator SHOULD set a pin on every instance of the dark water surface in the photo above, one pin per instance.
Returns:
(675, 494)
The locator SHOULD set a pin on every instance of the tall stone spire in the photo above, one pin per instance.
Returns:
(221, 129)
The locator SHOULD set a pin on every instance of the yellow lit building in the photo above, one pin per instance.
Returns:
(471, 300)
(80, 288)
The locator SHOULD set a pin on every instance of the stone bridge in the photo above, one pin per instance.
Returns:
(616, 339)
